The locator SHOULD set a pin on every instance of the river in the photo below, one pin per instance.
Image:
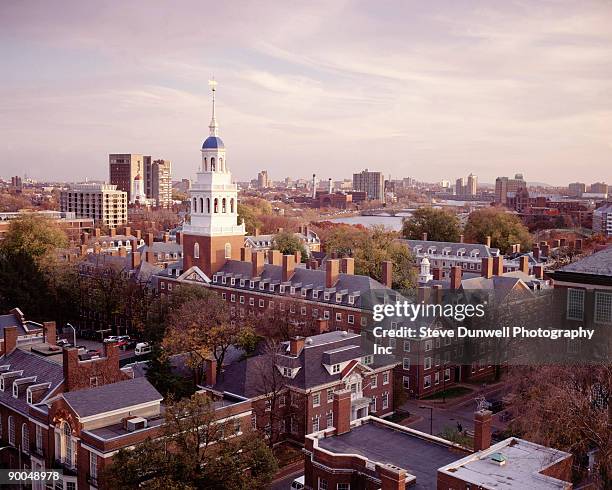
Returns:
(392, 222)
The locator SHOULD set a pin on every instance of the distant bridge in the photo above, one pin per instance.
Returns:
(386, 212)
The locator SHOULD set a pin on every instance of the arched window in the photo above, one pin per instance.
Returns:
(221, 164)
(11, 430)
(216, 205)
(205, 165)
(208, 205)
(67, 448)
(196, 250)
(194, 208)
(25, 438)
(228, 251)
(212, 164)
(201, 205)
(223, 206)
(232, 205)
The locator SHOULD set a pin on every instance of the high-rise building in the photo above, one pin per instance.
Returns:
(372, 183)
(263, 181)
(472, 185)
(576, 189)
(504, 185)
(460, 187)
(103, 203)
(123, 169)
(213, 235)
(161, 183)
(602, 220)
(599, 188)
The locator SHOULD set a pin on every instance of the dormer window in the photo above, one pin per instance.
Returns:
(338, 298)
(335, 368)
(351, 299)
(2, 384)
(315, 294)
(282, 288)
(233, 281)
(292, 290)
(326, 296)
(251, 284)
(215, 278)
(15, 390)
(29, 397)
(224, 280)
(242, 281)
(271, 287)
(262, 286)
(304, 292)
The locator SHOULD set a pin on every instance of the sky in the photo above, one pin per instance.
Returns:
(427, 89)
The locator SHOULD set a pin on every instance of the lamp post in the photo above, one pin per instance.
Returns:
(430, 418)
(73, 334)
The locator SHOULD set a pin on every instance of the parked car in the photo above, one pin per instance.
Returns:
(142, 348)
(62, 343)
(111, 338)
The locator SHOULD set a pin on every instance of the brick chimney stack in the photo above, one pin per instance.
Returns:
(275, 257)
(148, 239)
(347, 265)
(134, 244)
(424, 236)
(49, 331)
(423, 294)
(84, 238)
(298, 257)
(488, 241)
(538, 271)
(150, 257)
(342, 411)
(257, 263)
(461, 238)
(138, 235)
(436, 272)
(210, 366)
(455, 277)
(113, 232)
(498, 265)
(288, 267)
(245, 254)
(437, 295)
(178, 237)
(322, 325)
(97, 232)
(127, 230)
(331, 273)
(524, 264)
(296, 344)
(482, 430)
(10, 339)
(122, 252)
(536, 252)
(391, 477)
(387, 273)
(136, 259)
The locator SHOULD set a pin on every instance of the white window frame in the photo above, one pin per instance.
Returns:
(578, 298)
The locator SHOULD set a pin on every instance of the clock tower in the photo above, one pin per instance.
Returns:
(214, 235)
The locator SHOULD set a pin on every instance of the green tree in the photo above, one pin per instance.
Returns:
(288, 244)
(250, 217)
(440, 225)
(505, 229)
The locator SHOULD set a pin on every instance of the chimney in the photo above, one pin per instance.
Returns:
(424, 236)
(245, 254)
(488, 241)
(49, 331)
(436, 272)
(536, 252)
(113, 232)
(275, 257)
(256, 233)
(331, 272)
(297, 256)
(166, 237)
(538, 271)
(342, 411)
(455, 277)
(524, 264)
(518, 248)
(127, 231)
(136, 258)
(314, 264)
(83, 250)
(122, 252)
(437, 294)
(257, 263)
(498, 265)
(138, 235)
(347, 265)
(97, 248)
(322, 325)
(149, 239)
(150, 257)
(70, 365)
(546, 250)
(296, 344)
(387, 273)
(482, 430)
(391, 477)
(178, 237)
(513, 248)
(288, 267)
(461, 238)
(10, 339)
(134, 244)
(423, 294)
(211, 372)
(84, 237)
(97, 233)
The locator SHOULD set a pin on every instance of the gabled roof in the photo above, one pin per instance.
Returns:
(115, 396)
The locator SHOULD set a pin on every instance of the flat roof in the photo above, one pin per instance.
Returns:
(411, 450)
(524, 462)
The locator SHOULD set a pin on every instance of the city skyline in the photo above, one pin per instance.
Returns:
(306, 86)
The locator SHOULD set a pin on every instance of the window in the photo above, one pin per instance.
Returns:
(67, 444)
(315, 423)
(447, 375)
(351, 319)
(374, 381)
(315, 294)
(262, 303)
(254, 421)
(39, 438)
(287, 372)
(223, 296)
(427, 363)
(338, 317)
(603, 307)
(427, 345)
(228, 246)
(241, 300)
(575, 304)
(233, 298)
(322, 484)
(252, 301)
(437, 377)
(385, 400)
(93, 381)
(427, 381)
(406, 345)
(326, 315)
(406, 382)
(364, 321)
(316, 399)
(196, 250)
(268, 405)
(303, 310)
(343, 486)
(25, 438)
(406, 363)
(11, 430)
(93, 465)
(386, 377)
(367, 360)
(330, 395)
(335, 368)
(271, 305)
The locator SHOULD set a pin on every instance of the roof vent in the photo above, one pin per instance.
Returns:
(498, 459)
(344, 333)
(309, 341)
(136, 423)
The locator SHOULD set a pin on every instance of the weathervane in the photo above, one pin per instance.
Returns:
(213, 122)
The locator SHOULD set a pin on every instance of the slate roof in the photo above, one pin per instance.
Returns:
(45, 370)
(114, 396)
(483, 250)
(599, 263)
(164, 247)
(313, 279)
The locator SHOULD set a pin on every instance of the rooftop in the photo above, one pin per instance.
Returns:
(599, 263)
(524, 462)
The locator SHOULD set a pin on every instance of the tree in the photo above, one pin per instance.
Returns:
(288, 244)
(505, 229)
(159, 373)
(194, 451)
(440, 225)
(249, 216)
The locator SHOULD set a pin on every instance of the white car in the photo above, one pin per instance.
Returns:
(298, 483)
(142, 348)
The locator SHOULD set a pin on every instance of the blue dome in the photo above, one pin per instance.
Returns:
(212, 142)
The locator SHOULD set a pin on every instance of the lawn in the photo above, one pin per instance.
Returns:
(454, 392)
